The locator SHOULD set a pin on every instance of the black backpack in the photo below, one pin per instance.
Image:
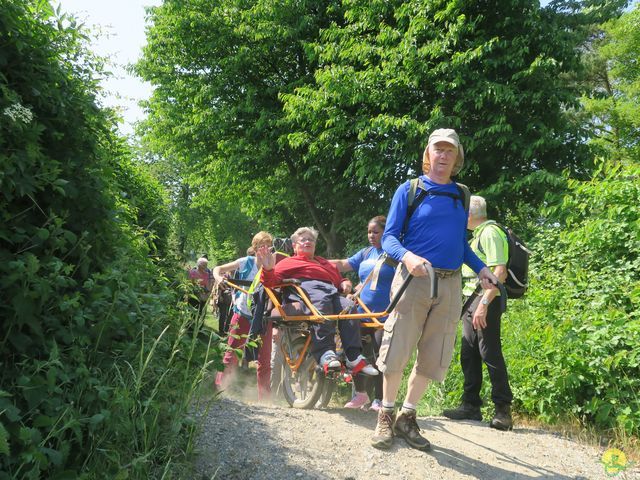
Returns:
(517, 265)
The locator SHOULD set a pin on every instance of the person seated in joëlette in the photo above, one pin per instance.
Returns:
(324, 286)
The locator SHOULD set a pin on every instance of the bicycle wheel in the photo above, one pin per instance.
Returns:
(326, 393)
(303, 388)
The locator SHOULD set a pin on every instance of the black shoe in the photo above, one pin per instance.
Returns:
(406, 426)
(502, 419)
(466, 411)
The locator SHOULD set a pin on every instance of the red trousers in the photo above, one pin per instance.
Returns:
(238, 331)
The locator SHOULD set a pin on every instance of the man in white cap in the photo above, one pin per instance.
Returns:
(435, 233)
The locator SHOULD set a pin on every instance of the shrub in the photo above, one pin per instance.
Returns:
(96, 372)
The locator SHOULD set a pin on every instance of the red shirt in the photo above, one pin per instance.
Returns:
(300, 266)
(203, 278)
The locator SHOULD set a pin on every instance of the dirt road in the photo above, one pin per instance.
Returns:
(244, 440)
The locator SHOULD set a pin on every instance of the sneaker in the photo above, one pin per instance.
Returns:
(383, 435)
(406, 426)
(465, 411)
(360, 365)
(502, 419)
(359, 400)
(376, 405)
(330, 361)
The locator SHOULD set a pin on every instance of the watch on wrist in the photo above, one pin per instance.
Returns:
(484, 301)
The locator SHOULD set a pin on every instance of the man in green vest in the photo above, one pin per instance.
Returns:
(481, 318)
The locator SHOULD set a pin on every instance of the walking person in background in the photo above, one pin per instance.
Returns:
(481, 318)
(247, 268)
(375, 295)
(202, 277)
(435, 233)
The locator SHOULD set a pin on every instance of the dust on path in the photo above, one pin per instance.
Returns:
(242, 440)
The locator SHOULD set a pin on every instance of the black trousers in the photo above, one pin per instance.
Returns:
(480, 346)
(363, 382)
(224, 313)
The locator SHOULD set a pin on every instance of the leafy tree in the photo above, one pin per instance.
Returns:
(302, 103)
(396, 70)
(220, 68)
(612, 108)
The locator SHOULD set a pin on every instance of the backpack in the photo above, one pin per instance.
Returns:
(415, 198)
(517, 264)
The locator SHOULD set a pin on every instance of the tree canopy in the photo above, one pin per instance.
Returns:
(313, 112)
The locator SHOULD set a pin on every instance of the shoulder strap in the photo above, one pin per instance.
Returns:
(500, 228)
(414, 198)
(465, 193)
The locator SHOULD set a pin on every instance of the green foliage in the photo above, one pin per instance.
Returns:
(96, 374)
(142, 195)
(394, 71)
(612, 108)
(277, 109)
(573, 344)
(220, 68)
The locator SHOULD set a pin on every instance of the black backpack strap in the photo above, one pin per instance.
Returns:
(416, 195)
(418, 192)
(465, 193)
(500, 227)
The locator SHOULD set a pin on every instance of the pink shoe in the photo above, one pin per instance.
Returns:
(358, 400)
(376, 405)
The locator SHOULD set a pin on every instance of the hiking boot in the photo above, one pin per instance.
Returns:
(502, 419)
(465, 411)
(383, 436)
(406, 426)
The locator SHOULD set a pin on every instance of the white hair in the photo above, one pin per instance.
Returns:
(302, 230)
(477, 207)
(202, 261)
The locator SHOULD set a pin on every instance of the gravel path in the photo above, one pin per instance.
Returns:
(245, 440)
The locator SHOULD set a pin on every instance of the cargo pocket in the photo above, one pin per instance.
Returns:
(386, 342)
(448, 342)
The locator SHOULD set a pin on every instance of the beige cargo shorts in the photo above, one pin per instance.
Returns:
(423, 323)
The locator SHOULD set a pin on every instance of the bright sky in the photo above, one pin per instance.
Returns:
(123, 25)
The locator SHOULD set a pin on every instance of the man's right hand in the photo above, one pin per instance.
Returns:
(415, 264)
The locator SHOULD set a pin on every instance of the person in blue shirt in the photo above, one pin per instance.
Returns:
(375, 295)
(436, 234)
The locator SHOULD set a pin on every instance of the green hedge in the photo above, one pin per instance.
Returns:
(96, 372)
(572, 345)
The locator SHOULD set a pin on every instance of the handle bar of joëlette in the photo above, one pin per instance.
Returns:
(434, 286)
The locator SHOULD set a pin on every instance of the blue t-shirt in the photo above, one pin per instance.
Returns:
(436, 230)
(363, 262)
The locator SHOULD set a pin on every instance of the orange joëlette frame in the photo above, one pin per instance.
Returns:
(316, 316)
